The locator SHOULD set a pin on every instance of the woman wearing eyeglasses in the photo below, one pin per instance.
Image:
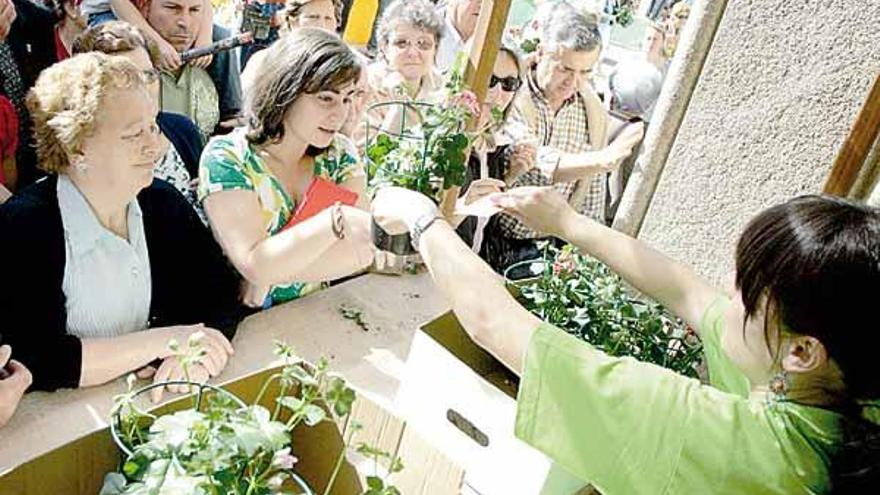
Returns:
(110, 264)
(409, 33)
(179, 165)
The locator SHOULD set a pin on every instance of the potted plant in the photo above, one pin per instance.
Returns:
(582, 296)
(429, 157)
(221, 445)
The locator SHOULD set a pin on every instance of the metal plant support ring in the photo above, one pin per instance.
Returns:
(115, 420)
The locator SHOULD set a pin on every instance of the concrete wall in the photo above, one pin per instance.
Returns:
(780, 88)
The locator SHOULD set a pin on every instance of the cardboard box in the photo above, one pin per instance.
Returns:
(482, 404)
(78, 468)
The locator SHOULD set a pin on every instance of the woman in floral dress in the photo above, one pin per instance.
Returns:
(252, 181)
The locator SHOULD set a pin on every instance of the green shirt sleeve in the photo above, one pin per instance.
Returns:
(222, 168)
(723, 374)
(636, 428)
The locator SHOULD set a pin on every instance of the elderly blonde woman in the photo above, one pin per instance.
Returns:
(408, 35)
(109, 265)
(180, 165)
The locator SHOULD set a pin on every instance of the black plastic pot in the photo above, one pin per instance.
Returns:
(399, 244)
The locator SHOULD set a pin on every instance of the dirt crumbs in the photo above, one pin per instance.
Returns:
(355, 315)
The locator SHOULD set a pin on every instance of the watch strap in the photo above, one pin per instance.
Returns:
(421, 225)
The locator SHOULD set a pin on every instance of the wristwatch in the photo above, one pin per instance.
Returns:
(422, 224)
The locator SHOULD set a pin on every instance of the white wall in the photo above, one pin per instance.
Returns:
(782, 84)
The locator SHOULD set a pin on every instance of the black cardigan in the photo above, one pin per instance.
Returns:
(185, 137)
(191, 280)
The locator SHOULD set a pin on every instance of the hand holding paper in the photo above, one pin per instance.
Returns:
(474, 202)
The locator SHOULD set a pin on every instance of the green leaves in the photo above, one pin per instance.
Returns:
(313, 414)
(225, 448)
(431, 157)
(340, 396)
(299, 373)
(583, 297)
(255, 431)
(172, 430)
(377, 485)
(449, 155)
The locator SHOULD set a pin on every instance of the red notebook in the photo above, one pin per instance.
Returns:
(321, 195)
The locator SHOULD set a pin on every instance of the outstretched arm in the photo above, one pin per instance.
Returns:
(670, 283)
(302, 253)
(575, 166)
(488, 313)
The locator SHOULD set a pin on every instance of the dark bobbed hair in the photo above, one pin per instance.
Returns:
(814, 263)
(306, 61)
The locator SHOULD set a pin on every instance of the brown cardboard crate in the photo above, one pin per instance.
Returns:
(78, 468)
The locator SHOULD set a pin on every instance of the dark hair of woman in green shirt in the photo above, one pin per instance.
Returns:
(800, 262)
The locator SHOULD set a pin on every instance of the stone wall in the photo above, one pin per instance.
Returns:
(782, 84)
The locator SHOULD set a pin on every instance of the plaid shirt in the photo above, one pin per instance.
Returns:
(566, 131)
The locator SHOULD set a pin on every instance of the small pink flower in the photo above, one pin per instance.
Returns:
(467, 100)
(283, 459)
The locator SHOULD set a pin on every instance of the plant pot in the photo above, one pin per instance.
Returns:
(399, 244)
(521, 273)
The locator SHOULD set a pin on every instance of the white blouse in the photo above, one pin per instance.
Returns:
(107, 280)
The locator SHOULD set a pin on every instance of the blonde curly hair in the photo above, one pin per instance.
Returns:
(66, 101)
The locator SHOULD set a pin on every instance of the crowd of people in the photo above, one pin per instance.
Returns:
(147, 198)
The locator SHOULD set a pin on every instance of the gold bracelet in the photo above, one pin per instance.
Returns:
(337, 221)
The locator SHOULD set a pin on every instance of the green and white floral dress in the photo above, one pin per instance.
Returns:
(230, 163)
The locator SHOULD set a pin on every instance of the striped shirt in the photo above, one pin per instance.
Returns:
(107, 280)
(564, 131)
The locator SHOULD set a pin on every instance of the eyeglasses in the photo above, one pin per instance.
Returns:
(509, 83)
(422, 45)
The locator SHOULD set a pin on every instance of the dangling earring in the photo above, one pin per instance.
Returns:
(779, 386)
(79, 163)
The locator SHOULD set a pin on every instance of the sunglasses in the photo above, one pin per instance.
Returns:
(509, 84)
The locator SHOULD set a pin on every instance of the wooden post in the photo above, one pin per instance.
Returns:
(484, 51)
(857, 145)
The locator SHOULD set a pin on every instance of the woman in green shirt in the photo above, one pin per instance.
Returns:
(790, 357)
(252, 180)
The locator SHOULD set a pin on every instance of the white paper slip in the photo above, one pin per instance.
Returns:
(480, 208)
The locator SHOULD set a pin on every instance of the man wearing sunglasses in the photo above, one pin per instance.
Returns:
(567, 117)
